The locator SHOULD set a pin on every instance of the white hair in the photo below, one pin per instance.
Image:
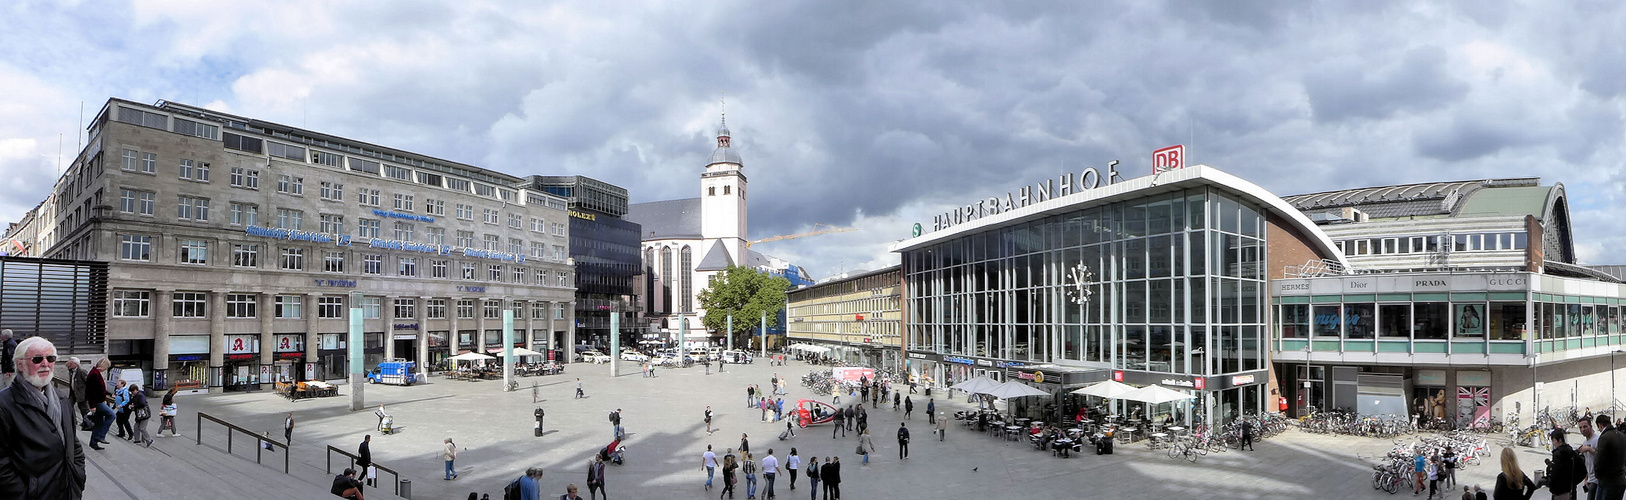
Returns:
(5, 334)
(29, 344)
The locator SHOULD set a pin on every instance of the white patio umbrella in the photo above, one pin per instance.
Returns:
(521, 351)
(975, 385)
(1155, 394)
(471, 356)
(1109, 389)
(1010, 390)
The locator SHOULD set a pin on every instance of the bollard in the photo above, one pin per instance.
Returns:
(406, 489)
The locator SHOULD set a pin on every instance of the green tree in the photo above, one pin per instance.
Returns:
(745, 293)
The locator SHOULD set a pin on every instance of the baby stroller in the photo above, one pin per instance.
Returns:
(615, 453)
(386, 423)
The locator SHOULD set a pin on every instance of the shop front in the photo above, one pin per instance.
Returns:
(373, 353)
(289, 363)
(188, 363)
(333, 359)
(405, 337)
(241, 371)
(437, 347)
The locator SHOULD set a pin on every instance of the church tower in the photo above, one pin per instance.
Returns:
(722, 199)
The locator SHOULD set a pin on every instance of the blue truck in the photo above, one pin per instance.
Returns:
(394, 372)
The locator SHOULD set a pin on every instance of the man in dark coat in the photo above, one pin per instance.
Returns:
(40, 456)
(8, 347)
(830, 474)
(364, 456)
(76, 388)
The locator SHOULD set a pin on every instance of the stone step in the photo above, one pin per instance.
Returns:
(177, 468)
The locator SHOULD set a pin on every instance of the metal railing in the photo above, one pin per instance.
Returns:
(362, 473)
(259, 440)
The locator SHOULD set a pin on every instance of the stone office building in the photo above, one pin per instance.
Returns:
(235, 243)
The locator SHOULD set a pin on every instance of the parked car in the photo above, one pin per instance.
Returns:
(634, 356)
(736, 357)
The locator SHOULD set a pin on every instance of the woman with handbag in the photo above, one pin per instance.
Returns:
(729, 466)
(166, 413)
(138, 401)
(865, 445)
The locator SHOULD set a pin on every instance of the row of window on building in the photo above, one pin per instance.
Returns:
(276, 149)
(193, 304)
(139, 247)
(1469, 242)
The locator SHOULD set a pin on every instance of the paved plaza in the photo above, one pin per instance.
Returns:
(666, 436)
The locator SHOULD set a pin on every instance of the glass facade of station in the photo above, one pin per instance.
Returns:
(1172, 288)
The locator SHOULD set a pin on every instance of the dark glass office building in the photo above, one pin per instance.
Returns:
(605, 250)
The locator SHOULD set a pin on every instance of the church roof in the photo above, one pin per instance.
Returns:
(716, 258)
(670, 219)
(726, 155)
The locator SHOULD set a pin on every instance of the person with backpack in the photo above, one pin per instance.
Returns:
(708, 420)
(1565, 470)
(527, 487)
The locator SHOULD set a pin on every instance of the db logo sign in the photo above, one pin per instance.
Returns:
(1169, 158)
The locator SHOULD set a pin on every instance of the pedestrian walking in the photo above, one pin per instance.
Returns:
(579, 393)
(536, 393)
(830, 473)
(96, 395)
(570, 493)
(908, 408)
(812, 476)
(762, 409)
(1433, 477)
(770, 471)
(76, 391)
(1419, 466)
(364, 455)
(450, 455)
(595, 478)
(615, 425)
(708, 420)
(931, 411)
(792, 463)
(708, 463)
(729, 466)
(745, 443)
(166, 413)
(143, 413)
(942, 427)
(863, 420)
(750, 395)
(851, 414)
(1448, 475)
(42, 459)
(750, 468)
(865, 445)
(121, 400)
(897, 399)
(529, 485)
(838, 419)
(903, 440)
(539, 415)
(288, 429)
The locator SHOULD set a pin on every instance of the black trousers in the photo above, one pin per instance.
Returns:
(903, 450)
(792, 478)
(832, 491)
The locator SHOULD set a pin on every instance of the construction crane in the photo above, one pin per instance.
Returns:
(827, 229)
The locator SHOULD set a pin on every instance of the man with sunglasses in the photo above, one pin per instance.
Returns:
(40, 455)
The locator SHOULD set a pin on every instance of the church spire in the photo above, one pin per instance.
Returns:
(722, 130)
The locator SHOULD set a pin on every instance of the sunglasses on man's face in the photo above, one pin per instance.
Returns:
(43, 359)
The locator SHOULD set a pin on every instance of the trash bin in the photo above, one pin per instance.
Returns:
(406, 489)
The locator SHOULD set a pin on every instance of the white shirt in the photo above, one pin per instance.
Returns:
(793, 463)
(1591, 457)
(711, 459)
(770, 465)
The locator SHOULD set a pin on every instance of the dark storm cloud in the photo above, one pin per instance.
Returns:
(1419, 82)
(889, 110)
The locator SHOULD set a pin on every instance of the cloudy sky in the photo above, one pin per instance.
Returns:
(866, 114)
